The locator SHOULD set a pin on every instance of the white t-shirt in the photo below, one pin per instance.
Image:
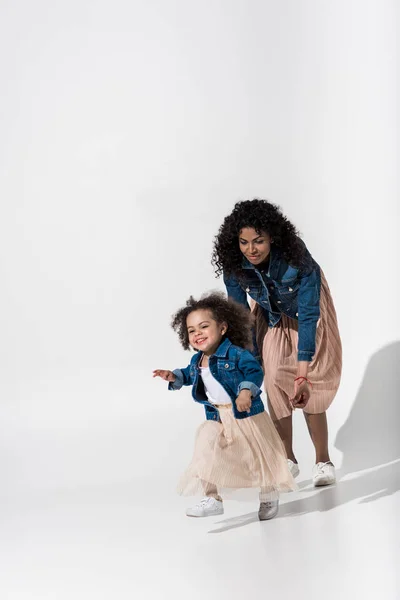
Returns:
(214, 390)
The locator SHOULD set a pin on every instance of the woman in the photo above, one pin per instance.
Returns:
(296, 335)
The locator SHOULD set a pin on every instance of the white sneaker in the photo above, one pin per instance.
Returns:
(293, 468)
(269, 505)
(206, 508)
(324, 474)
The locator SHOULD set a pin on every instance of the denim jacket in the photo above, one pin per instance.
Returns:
(234, 368)
(283, 289)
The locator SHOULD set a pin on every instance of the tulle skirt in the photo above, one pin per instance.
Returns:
(235, 454)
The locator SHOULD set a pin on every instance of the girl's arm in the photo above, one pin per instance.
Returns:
(182, 377)
(253, 373)
(176, 378)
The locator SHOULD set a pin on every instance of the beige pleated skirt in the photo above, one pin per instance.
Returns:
(235, 454)
(279, 356)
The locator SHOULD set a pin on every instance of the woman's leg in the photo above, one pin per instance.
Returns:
(285, 429)
(318, 429)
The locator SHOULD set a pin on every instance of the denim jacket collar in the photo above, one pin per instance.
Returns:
(274, 260)
(221, 351)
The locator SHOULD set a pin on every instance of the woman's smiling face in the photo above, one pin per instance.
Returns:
(255, 246)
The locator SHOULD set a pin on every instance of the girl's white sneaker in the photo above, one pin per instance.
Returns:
(324, 474)
(207, 507)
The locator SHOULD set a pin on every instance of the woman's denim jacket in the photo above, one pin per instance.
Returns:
(234, 368)
(294, 291)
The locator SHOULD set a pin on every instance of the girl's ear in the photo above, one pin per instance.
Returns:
(224, 328)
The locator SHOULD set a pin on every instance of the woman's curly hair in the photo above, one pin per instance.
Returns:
(224, 310)
(261, 216)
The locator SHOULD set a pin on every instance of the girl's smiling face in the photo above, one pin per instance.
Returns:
(204, 332)
(255, 246)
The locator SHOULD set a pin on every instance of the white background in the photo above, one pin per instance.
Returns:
(128, 131)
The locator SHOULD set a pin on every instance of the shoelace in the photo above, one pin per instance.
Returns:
(320, 467)
(267, 505)
(204, 502)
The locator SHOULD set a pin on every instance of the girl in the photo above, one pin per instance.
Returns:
(237, 446)
(259, 253)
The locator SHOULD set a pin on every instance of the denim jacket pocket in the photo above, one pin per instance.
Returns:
(226, 366)
(288, 288)
(253, 290)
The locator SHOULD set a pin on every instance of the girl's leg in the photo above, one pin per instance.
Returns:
(209, 506)
(269, 503)
(269, 494)
(318, 429)
(211, 491)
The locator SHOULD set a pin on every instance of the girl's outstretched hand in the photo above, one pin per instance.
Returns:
(166, 375)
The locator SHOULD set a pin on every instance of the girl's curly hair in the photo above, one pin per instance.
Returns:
(261, 216)
(224, 310)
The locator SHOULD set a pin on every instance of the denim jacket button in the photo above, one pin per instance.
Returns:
(290, 289)
(247, 289)
(227, 366)
(297, 314)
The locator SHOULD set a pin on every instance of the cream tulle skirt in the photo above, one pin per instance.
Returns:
(235, 454)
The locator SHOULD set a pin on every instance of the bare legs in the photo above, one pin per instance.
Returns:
(211, 491)
(317, 428)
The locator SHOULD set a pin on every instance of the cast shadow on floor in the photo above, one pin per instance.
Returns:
(369, 439)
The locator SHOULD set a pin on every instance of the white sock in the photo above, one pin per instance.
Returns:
(269, 495)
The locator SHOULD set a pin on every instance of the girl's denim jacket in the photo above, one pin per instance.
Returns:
(293, 291)
(234, 368)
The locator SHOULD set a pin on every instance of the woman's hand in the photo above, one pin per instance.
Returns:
(243, 401)
(301, 393)
(166, 375)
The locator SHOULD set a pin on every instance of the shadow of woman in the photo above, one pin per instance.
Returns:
(370, 436)
(369, 440)
(366, 488)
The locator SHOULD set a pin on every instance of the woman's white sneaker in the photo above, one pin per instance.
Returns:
(323, 474)
(207, 507)
(293, 468)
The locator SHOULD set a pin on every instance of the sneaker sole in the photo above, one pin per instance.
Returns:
(295, 473)
(215, 514)
(268, 518)
(324, 482)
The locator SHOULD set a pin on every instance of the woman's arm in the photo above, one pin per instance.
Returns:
(308, 312)
(237, 293)
(308, 315)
